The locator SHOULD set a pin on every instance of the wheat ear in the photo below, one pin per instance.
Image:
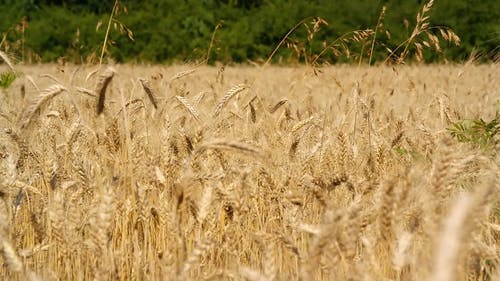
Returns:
(189, 107)
(148, 88)
(102, 85)
(10, 257)
(446, 258)
(6, 60)
(228, 145)
(40, 101)
(252, 274)
(30, 79)
(92, 73)
(277, 106)
(7, 251)
(182, 74)
(194, 257)
(302, 123)
(229, 94)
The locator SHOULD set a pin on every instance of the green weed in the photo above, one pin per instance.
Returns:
(7, 78)
(477, 131)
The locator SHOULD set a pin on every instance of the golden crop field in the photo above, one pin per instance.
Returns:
(247, 173)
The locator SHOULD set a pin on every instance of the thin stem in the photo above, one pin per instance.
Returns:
(331, 44)
(284, 38)
(4, 37)
(23, 39)
(107, 31)
(361, 55)
(394, 51)
(380, 17)
(414, 34)
(212, 39)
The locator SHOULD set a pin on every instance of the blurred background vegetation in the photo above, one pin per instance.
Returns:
(166, 31)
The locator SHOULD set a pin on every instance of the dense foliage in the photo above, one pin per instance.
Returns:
(173, 30)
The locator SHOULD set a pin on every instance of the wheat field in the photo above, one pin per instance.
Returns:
(245, 173)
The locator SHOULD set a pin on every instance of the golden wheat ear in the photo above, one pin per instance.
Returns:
(148, 88)
(38, 103)
(102, 84)
(185, 102)
(277, 105)
(229, 94)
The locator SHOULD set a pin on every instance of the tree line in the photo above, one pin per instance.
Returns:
(238, 31)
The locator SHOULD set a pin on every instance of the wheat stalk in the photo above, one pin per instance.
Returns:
(141, 199)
